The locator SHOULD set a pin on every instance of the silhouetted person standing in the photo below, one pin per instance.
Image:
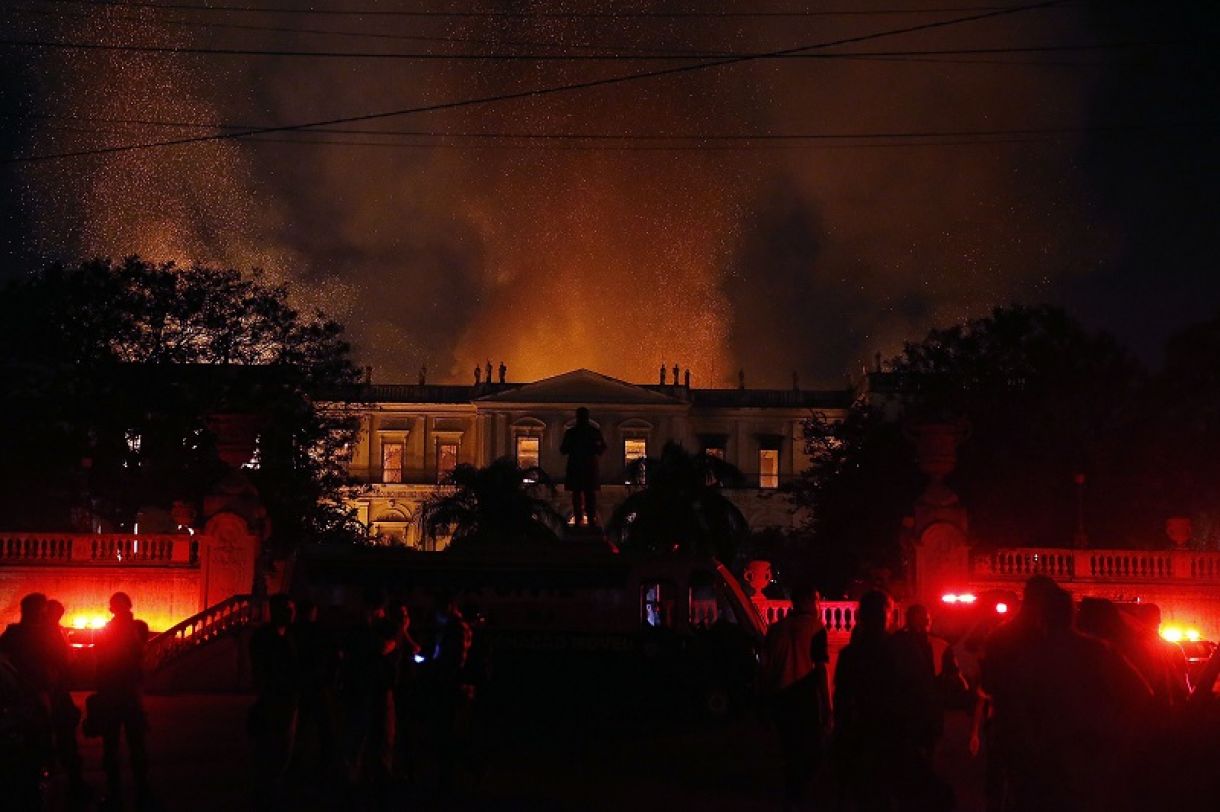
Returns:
(120, 699)
(272, 721)
(26, 719)
(798, 695)
(1085, 703)
(65, 716)
(451, 690)
(406, 687)
(318, 659)
(916, 664)
(865, 739)
(583, 444)
(1160, 662)
(25, 643)
(364, 691)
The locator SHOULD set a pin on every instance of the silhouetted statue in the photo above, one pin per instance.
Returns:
(478, 375)
(118, 705)
(503, 371)
(423, 374)
(686, 378)
(276, 669)
(663, 373)
(798, 696)
(675, 374)
(583, 444)
(489, 370)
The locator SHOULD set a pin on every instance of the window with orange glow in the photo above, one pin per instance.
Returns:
(768, 468)
(529, 450)
(446, 460)
(634, 448)
(391, 462)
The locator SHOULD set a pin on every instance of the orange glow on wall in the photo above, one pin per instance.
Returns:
(1176, 634)
(89, 621)
(161, 597)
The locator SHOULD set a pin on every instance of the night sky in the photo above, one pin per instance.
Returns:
(1063, 154)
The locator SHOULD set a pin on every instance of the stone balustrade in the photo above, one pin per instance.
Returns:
(839, 617)
(237, 612)
(98, 548)
(1099, 565)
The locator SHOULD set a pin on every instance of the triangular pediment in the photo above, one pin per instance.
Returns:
(581, 386)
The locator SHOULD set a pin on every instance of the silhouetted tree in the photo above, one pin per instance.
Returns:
(681, 507)
(112, 370)
(1181, 441)
(862, 482)
(1045, 398)
(497, 505)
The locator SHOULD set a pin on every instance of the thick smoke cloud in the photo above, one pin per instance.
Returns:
(550, 255)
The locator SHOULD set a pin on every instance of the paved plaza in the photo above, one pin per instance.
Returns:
(200, 758)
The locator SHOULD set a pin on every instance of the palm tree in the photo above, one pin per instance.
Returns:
(682, 507)
(496, 505)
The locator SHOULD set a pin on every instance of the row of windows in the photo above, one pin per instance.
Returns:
(529, 455)
(393, 455)
(636, 449)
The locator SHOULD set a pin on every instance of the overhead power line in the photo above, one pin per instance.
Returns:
(600, 57)
(1117, 128)
(530, 93)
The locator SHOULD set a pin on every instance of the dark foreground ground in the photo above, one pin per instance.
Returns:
(200, 755)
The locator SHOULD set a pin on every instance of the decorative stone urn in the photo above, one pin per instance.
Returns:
(236, 436)
(939, 525)
(183, 513)
(936, 455)
(1179, 530)
(758, 575)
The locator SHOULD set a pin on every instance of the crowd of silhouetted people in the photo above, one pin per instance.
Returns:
(39, 720)
(1075, 708)
(345, 708)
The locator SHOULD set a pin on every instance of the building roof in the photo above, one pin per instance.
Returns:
(582, 386)
(587, 386)
(773, 398)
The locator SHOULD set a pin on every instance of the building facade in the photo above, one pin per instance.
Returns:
(412, 436)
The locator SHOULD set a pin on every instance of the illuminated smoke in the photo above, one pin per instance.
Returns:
(774, 260)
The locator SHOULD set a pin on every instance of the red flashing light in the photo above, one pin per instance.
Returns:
(953, 597)
(1001, 608)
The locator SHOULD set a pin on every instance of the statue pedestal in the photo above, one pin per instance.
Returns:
(227, 555)
(938, 528)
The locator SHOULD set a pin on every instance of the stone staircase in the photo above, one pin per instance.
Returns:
(207, 651)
